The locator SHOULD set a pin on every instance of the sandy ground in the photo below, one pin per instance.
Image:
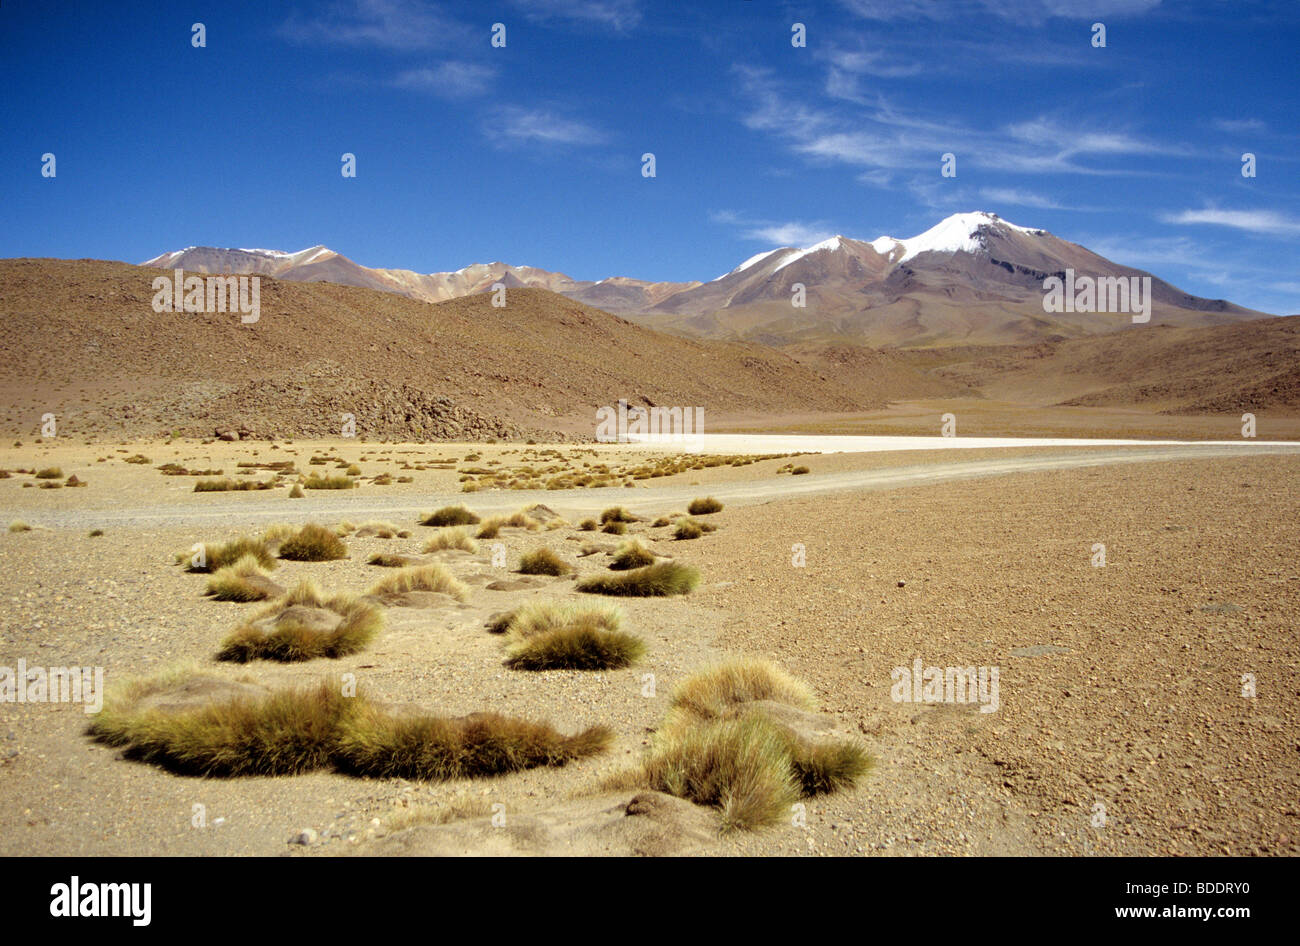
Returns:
(1120, 686)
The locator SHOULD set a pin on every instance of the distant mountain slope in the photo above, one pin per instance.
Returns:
(1232, 369)
(81, 340)
(973, 279)
(320, 264)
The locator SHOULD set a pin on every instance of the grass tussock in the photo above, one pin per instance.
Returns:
(379, 529)
(313, 543)
(743, 767)
(555, 635)
(451, 537)
(702, 507)
(631, 555)
(543, 561)
(388, 560)
(717, 748)
(659, 580)
(539, 617)
(377, 744)
(614, 527)
(450, 516)
(19, 526)
(296, 492)
(516, 520)
(577, 647)
(50, 473)
(239, 582)
(218, 555)
(589, 525)
(717, 690)
(422, 578)
(227, 485)
(299, 730)
(688, 528)
(316, 481)
(290, 640)
(617, 514)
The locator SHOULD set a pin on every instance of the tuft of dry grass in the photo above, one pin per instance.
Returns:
(296, 492)
(422, 578)
(614, 528)
(290, 640)
(617, 514)
(631, 555)
(313, 543)
(298, 730)
(589, 525)
(377, 744)
(275, 534)
(388, 560)
(800, 471)
(379, 529)
(227, 485)
(316, 481)
(451, 537)
(688, 528)
(517, 520)
(559, 635)
(19, 526)
(575, 647)
(740, 766)
(218, 555)
(283, 733)
(658, 580)
(702, 507)
(50, 473)
(717, 748)
(717, 690)
(543, 561)
(237, 582)
(540, 617)
(449, 516)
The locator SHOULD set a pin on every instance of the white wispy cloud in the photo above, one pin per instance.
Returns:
(775, 232)
(399, 25)
(1266, 222)
(1239, 125)
(518, 125)
(454, 80)
(878, 135)
(1018, 198)
(1018, 10)
(617, 14)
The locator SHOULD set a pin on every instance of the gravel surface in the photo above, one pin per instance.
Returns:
(1120, 685)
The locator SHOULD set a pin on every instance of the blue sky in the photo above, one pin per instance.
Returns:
(531, 153)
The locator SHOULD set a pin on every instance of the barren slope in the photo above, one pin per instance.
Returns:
(82, 341)
(1247, 366)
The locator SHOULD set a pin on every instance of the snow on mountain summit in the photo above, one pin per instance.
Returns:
(960, 233)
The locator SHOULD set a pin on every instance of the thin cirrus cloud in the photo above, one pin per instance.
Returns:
(1019, 198)
(397, 25)
(1016, 10)
(1265, 222)
(773, 232)
(618, 14)
(516, 125)
(452, 79)
(877, 135)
